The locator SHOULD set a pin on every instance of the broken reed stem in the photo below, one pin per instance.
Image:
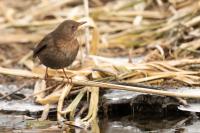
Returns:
(65, 92)
(86, 7)
(24, 73)
(45, 112)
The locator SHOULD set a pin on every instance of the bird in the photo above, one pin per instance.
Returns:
(59, 48)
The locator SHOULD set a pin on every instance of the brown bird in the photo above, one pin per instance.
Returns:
(59, 48)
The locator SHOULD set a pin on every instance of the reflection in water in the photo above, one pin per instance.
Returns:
(21, 123)
(126, 124)
(131, 125)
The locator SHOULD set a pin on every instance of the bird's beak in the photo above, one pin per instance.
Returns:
(81, 23)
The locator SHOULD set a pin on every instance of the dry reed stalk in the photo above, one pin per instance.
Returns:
(65, 92)
(27, 74)
(87, 34)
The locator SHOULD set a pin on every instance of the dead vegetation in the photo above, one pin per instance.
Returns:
(166, 35)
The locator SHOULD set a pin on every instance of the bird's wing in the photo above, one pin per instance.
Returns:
(41, 46)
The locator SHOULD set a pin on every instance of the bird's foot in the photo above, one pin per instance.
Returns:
(69, 79)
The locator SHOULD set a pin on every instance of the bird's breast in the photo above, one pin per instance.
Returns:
(60, 56)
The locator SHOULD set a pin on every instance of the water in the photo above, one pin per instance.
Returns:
(125, 124)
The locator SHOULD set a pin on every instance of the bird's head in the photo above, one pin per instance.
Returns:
(69, 27)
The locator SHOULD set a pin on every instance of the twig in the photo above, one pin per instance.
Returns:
(41, 91)
(7, 97)
(20, 88)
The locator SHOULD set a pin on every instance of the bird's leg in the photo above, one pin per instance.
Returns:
(66, 76)
(46, 74)
(70, 80)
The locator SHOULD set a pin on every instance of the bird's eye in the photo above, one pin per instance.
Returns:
(73, 27)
